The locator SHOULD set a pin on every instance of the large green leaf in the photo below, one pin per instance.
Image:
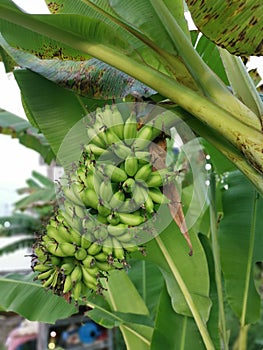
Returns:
(20, 294)
(54, 109)
(148, 281)
(88, 78)
(27, 135)
(234, 25)
(173, 331)
(123, 298)
(241, 244)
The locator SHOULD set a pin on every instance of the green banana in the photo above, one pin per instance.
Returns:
(89, 261)
(131, 165)
(68, 249)
(77, 291)
(75, 236)
(113, 218)
(88, 277)
(118, 125)
(93, 149)
(128, 185)
(131, 219)
(80, 254)
(144, 172)
(85, 240)
(116, 174)
(49, 280)
(143, 138)
(67, 286)
(76, 274)
(101, 233)
(121, 150)
(103, 210)
(118, 250)
(67, 268)
(130, 129)
(117, 230)
(95, 138)
(117, 199)
(111, 137)
(42, 267)
(101, 257)
(105, 191)
(90, 198)
(157, 196)
(44, 275)
(54, 249)
(140, 194)
(94, 249)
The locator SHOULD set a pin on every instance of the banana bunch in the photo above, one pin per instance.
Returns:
(108, 201)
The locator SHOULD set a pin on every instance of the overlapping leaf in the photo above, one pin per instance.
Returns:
(233, 25)
(20, 294)
(241, 244)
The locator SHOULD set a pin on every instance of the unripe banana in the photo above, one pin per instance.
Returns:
(104, 266)
(55, 260)
(118, 122)
(118, 251)
(117, 230)
(102, 220)
(67, 268)
(42, 267)
(101, 257)
(105, 191)
(107, 246)
(128, 206)
(94, 149)
(131, 165)
(116, 174)
(126, 237)
(130, 129)
(85, 240)
(49, 280)
(121, 150)
(88, 277)
(131, 219)
(81, 254)
(103, 210)
(58, 234)
(149, 205)
(101, 233)
(144, 137)
(90, 198)
(89, 261)
(128, 185)
(70, 195)
(144, 172)
(111, 137)
(44, 275)
(75, 236)
(68, 249)
(117, 199)
(54, 249)
(77, 291)
(76, 274)
(143, 157)
(95, 138)
(67, 284)
(113, 218)
(157, 196)
(140, 194)
(94, 249)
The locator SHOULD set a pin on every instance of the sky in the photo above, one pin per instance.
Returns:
(17, 162)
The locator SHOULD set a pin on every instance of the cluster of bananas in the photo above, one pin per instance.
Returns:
(108, 202)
